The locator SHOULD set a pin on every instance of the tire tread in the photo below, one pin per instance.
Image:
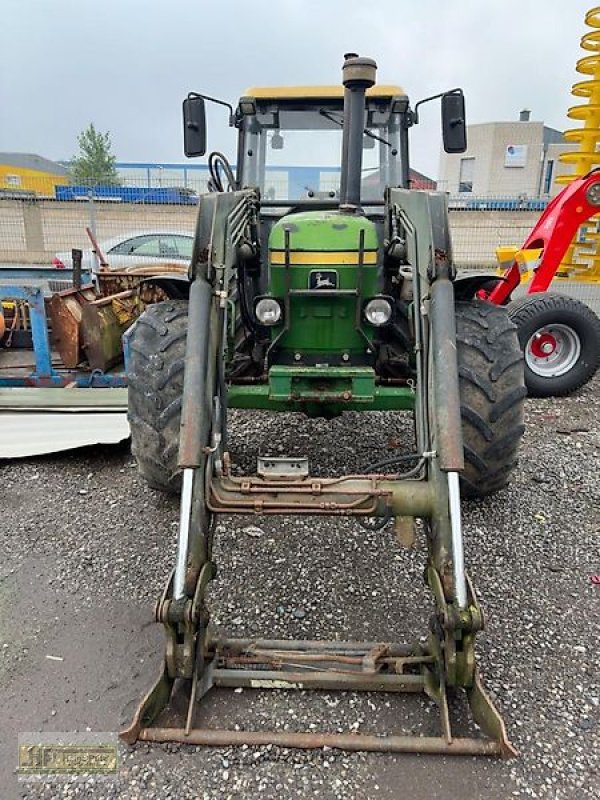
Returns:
(492, 393)
(157, 358)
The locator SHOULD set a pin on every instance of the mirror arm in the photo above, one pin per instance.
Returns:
(415, 113)
(215, 100)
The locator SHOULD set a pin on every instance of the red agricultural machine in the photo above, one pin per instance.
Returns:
(560, 335)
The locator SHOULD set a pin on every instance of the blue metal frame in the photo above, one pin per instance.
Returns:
(44, 374)
(36, 272)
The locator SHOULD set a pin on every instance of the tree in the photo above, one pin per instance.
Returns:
(95, 163)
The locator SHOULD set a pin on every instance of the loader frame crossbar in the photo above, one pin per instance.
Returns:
(322, 665)
(350, 495)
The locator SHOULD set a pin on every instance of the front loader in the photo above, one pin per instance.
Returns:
(326, 298)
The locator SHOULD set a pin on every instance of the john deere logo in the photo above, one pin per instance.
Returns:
(323, 279)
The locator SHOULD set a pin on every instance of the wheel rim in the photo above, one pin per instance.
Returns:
(553, 350)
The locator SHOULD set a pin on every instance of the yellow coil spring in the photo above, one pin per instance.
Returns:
(582, 259)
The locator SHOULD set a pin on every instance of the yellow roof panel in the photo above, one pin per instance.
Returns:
(325, 92)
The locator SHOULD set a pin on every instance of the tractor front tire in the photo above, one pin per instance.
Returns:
(560, 337)
(492, 395)
(155, 379)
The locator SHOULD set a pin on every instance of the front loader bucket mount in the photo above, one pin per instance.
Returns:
(329, 666)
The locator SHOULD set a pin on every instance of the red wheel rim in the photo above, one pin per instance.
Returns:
(543, 345)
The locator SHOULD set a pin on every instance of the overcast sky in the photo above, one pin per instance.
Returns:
(127, 64)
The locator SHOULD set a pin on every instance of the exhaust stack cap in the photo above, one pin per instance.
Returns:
(358, 72)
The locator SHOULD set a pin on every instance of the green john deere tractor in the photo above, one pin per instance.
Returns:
(321, 290)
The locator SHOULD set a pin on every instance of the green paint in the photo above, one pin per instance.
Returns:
(323, 230)
(317, 324)
(283, 393)
(314, 384)
(322, 326)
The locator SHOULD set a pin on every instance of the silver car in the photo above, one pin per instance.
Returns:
(135, 249)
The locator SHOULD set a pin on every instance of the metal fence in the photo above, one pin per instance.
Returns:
(36, 228)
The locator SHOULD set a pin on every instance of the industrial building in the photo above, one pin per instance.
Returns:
(27, 174)
(506, 159)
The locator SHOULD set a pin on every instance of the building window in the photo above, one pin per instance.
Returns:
(465, 180)
(13, 180)
(548, 176)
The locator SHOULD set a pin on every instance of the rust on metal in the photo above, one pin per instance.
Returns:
(112, 281)
(103, 323)
(96, 248)
(310, 741)
(308, 664)
(65, 311)
(94, 334)
(304, 677)
(440, 257)
(357, 495)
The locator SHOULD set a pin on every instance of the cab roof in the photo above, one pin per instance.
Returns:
(317, 92)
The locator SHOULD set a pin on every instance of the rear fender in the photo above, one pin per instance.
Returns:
(468, 284)
(175, 286)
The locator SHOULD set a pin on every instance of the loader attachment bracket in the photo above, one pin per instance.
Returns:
(208, 661)
(320, 665)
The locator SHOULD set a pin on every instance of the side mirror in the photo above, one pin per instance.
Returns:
(194, 126)
(454, 126)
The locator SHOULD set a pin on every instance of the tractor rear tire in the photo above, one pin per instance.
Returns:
(569, 329)
(492, 395)
(155, 377)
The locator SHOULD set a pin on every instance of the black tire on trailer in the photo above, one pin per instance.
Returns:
(155, 377)
(571, 333)
(492, 395)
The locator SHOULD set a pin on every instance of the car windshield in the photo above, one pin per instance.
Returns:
(294, 153)
(156, 245)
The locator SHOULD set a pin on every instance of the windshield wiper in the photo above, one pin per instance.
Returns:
(328, 115)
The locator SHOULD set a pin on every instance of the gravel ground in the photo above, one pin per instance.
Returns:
(85, 547)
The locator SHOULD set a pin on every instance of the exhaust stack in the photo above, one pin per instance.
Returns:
(358, 75)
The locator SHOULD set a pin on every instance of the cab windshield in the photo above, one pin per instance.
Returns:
(293, 152)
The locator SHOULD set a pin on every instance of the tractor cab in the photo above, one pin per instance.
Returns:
(294, 145)
(284, 129)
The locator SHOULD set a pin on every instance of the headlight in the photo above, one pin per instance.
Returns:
(268, 311)
(378, 311)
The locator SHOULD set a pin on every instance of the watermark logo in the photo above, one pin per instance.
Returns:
(69, 755)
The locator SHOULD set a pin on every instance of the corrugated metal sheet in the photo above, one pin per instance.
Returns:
(70, 399)
(31, 433)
